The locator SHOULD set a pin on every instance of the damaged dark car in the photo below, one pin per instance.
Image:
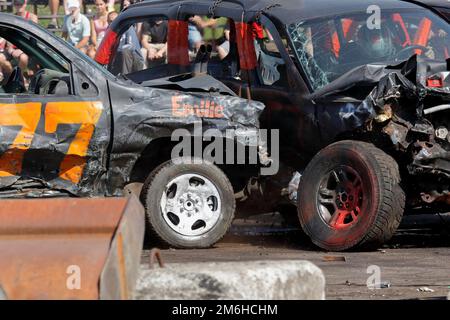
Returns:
(359, 90)
(68, 127)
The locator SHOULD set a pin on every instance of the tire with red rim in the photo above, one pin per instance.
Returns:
(350, 197)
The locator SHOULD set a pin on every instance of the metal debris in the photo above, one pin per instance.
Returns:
(425, 289)
(380, 285)
(156, 254)
(334, 258)
(293, 186)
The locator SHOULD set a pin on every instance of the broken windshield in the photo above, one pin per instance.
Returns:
(328, 48)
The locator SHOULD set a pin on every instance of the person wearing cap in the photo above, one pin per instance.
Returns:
(54, 7)
(76, 27)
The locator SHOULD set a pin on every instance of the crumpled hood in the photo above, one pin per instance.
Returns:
(150, 114)
(155, 112)
(361, 80)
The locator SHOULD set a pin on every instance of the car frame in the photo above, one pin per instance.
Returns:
(327, 129)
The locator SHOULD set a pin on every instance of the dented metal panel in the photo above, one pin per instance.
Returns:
(143, 114)
(121, 270)
(52, 145)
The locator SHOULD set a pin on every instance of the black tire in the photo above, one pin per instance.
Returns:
(377, 201)
(158, 225)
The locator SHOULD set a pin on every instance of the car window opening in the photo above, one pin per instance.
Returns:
(330, 47)
(29, 66)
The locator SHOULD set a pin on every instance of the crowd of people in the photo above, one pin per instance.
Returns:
(147, 40)
(83, 32)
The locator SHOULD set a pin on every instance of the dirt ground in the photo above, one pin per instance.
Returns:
(418, 256)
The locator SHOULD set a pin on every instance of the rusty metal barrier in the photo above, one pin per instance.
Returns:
(70, 248)
(155, 253)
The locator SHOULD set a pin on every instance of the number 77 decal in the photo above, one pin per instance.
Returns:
(85, 113)
(27, 116)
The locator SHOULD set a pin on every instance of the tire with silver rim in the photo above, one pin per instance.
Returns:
(350, 196)
(188, 205)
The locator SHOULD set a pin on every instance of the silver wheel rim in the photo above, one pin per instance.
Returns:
(191, 205)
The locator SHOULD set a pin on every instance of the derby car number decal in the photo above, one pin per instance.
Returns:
(27, 116)
(85, 113)
(183, 106)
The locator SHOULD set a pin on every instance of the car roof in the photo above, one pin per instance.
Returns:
(289, 11)
(436, 3)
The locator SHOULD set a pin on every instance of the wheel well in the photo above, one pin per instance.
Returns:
(156, 152)
(159, 151)
(383, 142)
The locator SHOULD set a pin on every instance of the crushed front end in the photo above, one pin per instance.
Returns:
(412, 109)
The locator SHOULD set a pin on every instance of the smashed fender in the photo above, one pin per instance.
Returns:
(149, 114)
(400, 105)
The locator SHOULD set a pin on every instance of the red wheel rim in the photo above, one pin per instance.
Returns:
(340, 197)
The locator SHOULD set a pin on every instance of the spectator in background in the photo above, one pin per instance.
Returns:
(76, 27)
(112, 16)
(3, 5)
(20, 8)
(5, 66)
(99, 24)
(110, 5)
(11, 53)
(196, 25)
(224, 48)
(54, 6)
(126, 3)
(128, 58)
(154, 41)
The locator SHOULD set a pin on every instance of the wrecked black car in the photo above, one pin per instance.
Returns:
(68, 127)
(359, 91)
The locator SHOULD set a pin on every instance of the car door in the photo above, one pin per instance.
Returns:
(275, 80)
(54, 118)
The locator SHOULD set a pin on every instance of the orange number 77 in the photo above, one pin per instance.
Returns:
(27, 115)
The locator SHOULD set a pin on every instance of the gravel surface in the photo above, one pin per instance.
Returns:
(418, 257)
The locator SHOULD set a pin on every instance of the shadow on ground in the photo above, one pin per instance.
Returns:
(270, 230)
